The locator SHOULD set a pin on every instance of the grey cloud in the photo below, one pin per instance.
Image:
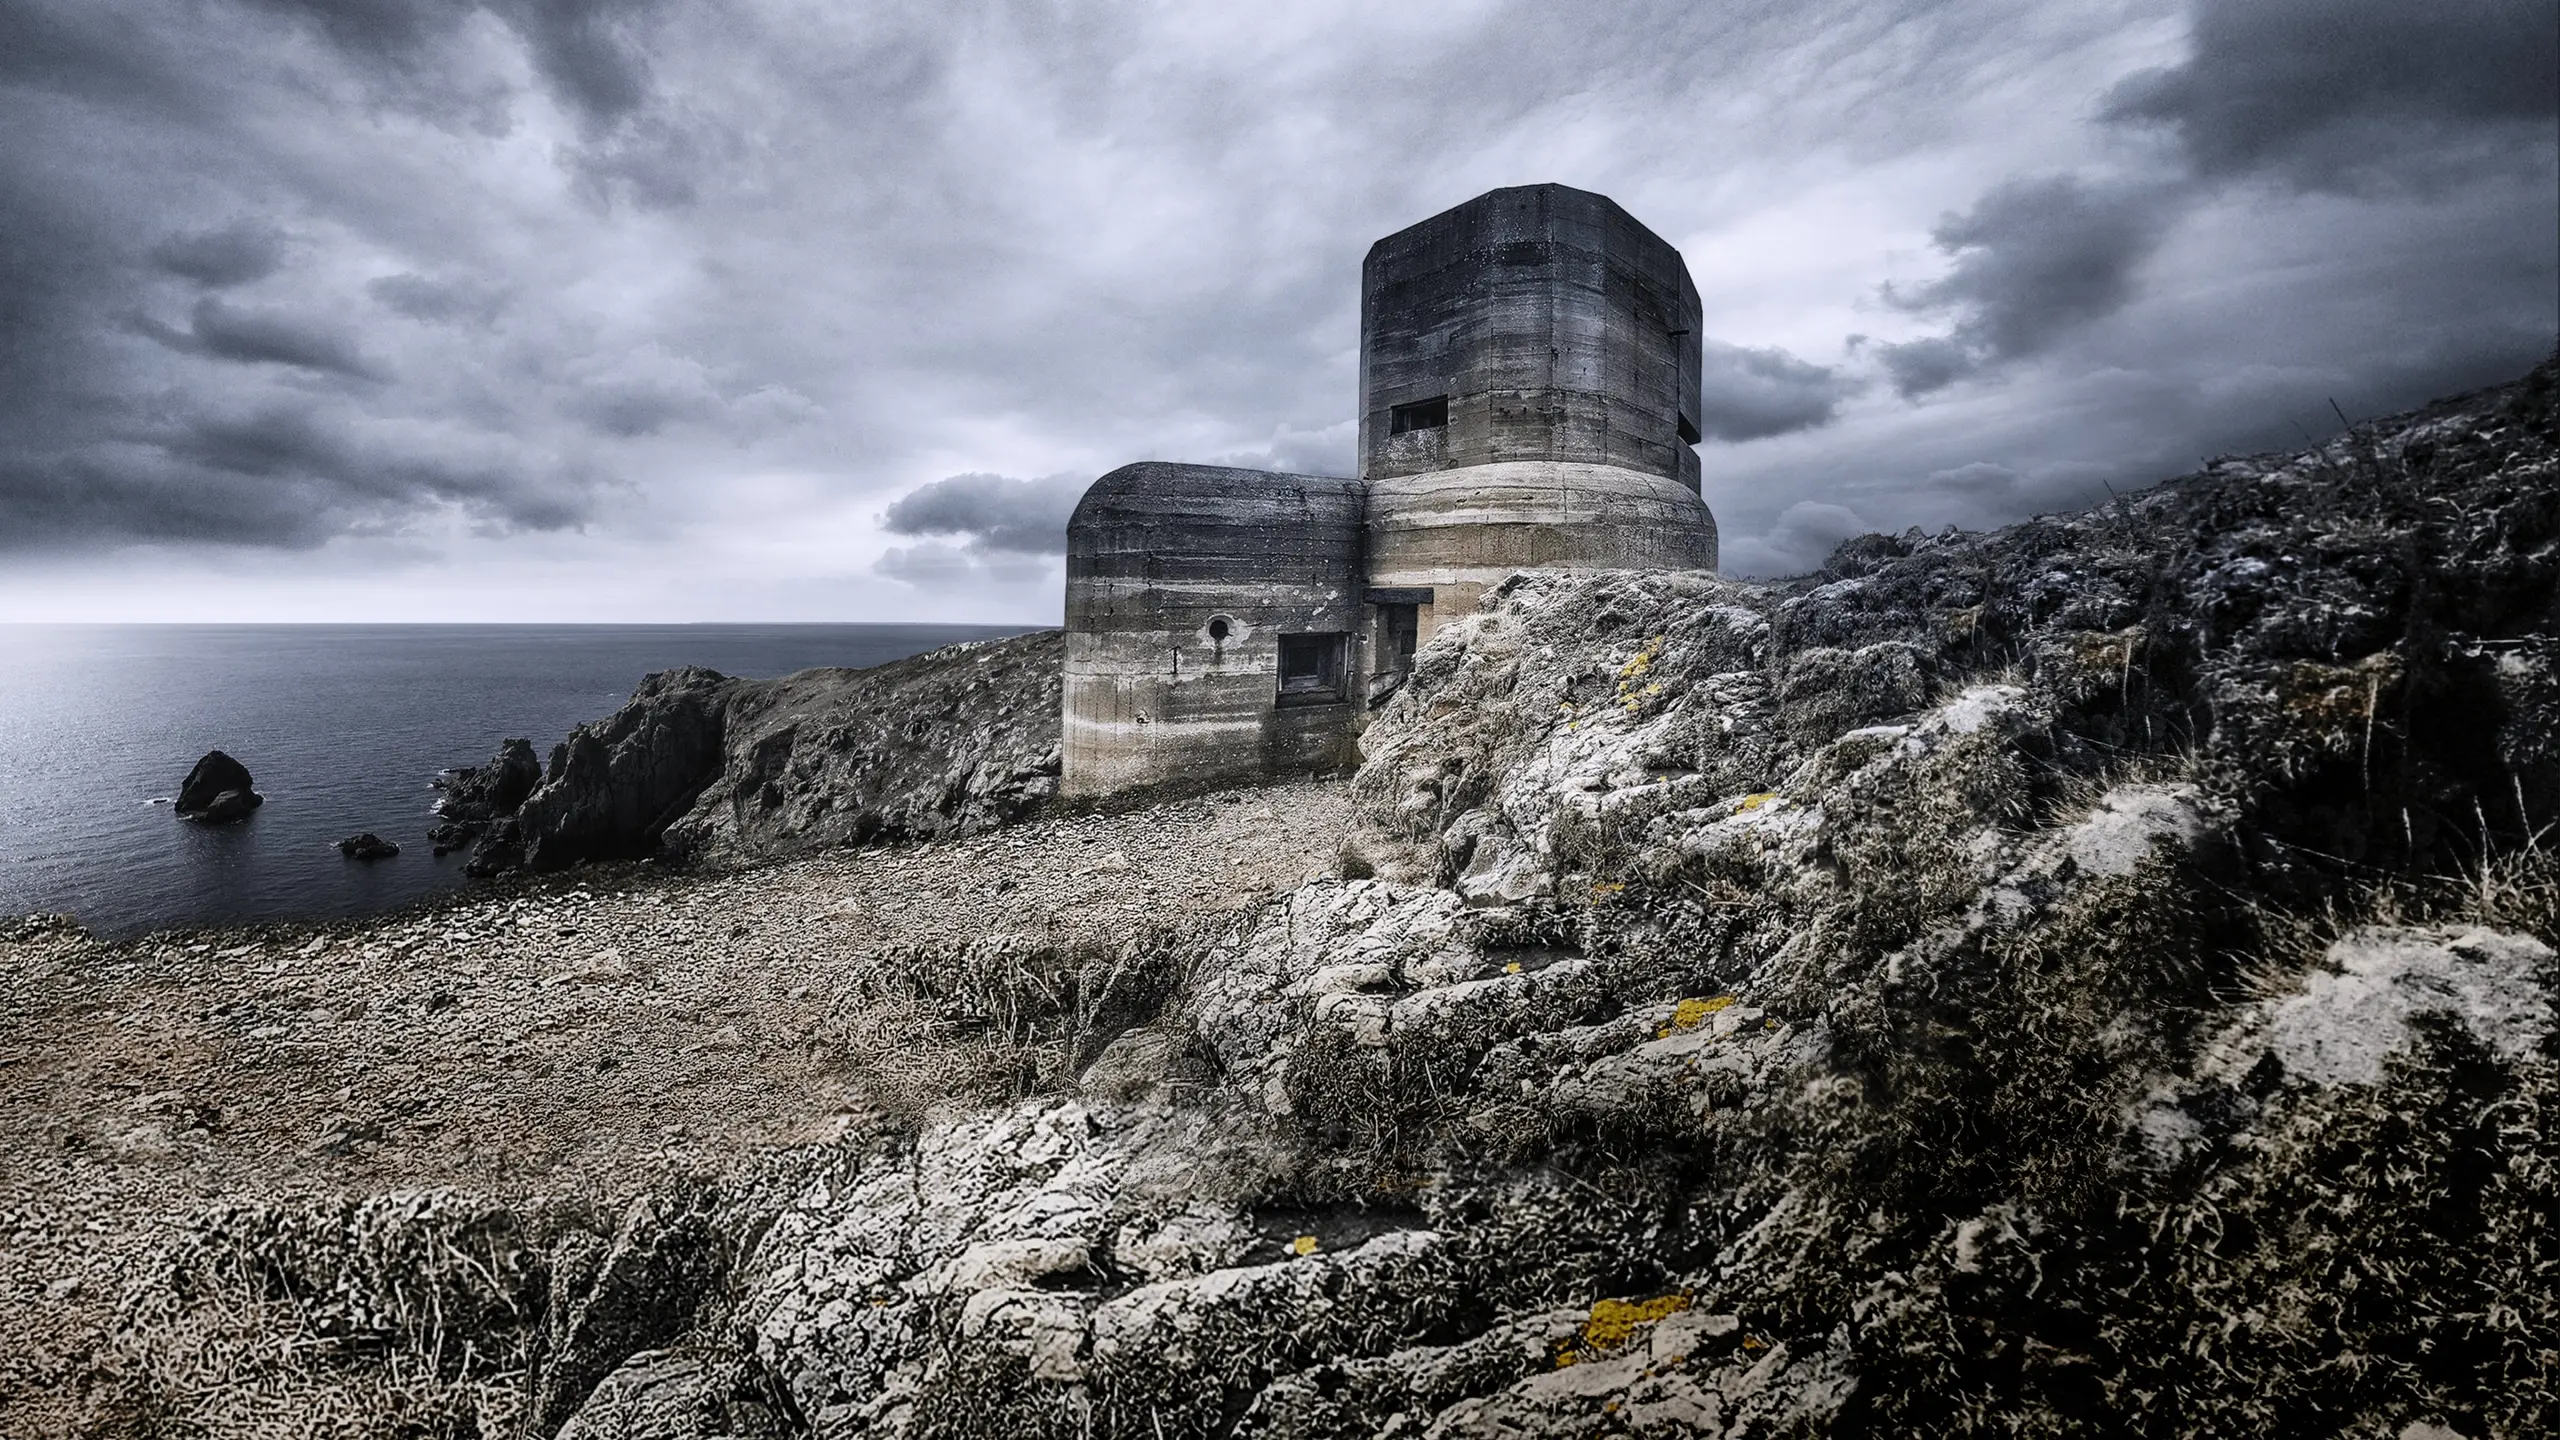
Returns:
(1917, 367)
(589, 50)
(2317, 95)
(1026, 517)
(1330, 450)
(2341, 97)
(2033, 260)
(440, 302)
(257, 336)
(272, 478)
(1980, 478)
(933, 565)
(234, 254)
(1803, 534)
(360, 477)
(1751, 394)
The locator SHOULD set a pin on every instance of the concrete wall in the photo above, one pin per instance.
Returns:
(1459, 532)
(1155, 554)
(1557, 326)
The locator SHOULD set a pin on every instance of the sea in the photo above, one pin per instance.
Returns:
(344, 728)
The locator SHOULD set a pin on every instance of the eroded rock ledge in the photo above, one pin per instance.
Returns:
(708, 767)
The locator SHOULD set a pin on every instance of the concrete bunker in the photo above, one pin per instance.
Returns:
(1529, 369)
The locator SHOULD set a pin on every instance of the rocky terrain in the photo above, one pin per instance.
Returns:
(709, 768)
(526, 1063)
(2090, 978)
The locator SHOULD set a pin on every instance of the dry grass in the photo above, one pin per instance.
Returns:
(1002, 1016)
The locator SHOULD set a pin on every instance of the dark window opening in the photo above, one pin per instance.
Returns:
(1397, 627)
(1428, 414)
(1688, 430)
(1311, 667)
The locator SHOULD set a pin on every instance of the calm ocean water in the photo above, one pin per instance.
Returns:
(343, 726)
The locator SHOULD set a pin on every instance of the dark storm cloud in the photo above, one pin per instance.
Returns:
(360, 478)
(1751, 394)
(2033, 260)
(234, 254)
(278, 477)
(1026, 517)
(589, 49)
(259, 336)
(770, 264)
(2314, 94)
(2328, 96)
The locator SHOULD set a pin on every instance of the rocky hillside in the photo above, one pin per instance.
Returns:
(707, 767)
(2090, 978)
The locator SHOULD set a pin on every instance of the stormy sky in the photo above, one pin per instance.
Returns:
(792, 309)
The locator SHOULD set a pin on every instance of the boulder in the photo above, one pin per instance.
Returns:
(367, 846)
(218, 791)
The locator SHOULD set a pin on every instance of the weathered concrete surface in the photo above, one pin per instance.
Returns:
(1460, 532)
(1558, 327)
(1181, 579)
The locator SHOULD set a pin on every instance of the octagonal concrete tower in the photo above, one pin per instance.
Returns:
(1529, 377)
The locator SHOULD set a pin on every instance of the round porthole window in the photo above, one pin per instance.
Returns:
(1220, 627)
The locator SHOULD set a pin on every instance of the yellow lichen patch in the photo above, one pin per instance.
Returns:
(1614, 1322)
(1690, 1013)
(1511, 969)
(2339, 704)
(1303, 1245)
(1754, 802)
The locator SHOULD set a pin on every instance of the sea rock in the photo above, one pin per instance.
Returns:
(367, 846)
(218, 791)
(616, 784)
(477, 797)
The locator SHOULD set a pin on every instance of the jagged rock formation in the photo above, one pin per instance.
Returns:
(711, 767)
(477, 797)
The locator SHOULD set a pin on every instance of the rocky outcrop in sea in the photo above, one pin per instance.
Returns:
(218, 791)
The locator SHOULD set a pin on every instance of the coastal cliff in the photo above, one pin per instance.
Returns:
(2091, 977)
(705, 767)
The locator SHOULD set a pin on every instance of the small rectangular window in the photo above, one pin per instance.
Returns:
(1398, 626)
(1311, 667)
(1428, 414)
(1688, 429)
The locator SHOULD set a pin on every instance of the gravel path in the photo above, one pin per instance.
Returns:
(583, 1036)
